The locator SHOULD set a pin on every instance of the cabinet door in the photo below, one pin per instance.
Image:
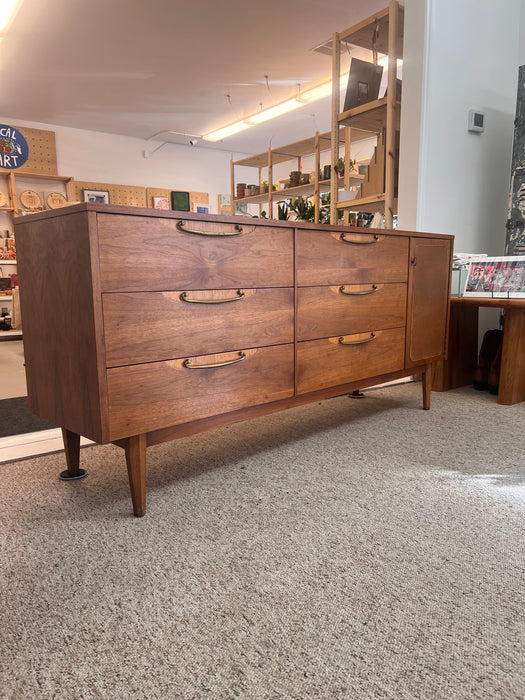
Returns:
(428, 293)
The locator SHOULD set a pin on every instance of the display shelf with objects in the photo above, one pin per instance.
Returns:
(244, 317)
(316, 185)
(381, 33)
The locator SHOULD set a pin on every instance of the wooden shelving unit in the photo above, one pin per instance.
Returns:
(380, 33)
(266, 161)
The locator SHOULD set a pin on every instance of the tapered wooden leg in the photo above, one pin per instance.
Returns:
(427, 386)
(136, 461)
(72, 450)
(512, 372)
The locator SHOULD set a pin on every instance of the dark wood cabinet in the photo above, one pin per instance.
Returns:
(143, 326)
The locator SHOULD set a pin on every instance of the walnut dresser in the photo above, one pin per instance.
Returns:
(142, 326)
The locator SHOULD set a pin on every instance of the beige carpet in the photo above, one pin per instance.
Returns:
(348, 549)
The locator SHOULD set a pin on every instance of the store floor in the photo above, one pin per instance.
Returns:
(12, 373)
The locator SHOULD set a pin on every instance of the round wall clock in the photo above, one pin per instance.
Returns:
(30, 200)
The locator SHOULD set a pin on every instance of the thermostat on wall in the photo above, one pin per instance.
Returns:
(476, 120)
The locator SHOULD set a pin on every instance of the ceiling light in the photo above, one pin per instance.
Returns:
(227, 131)
(273, 112)
(316, 93)
(7, 12)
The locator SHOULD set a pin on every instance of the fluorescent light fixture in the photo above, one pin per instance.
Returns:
(273, 112)
(7, 12)
(303, 98)
(227, 131)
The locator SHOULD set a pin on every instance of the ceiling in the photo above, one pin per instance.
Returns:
(141, 69)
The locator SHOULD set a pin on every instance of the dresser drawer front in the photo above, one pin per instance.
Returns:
(324, 257)
(151, 326)
(326, 363)
(343, 309)
(152, 254)
(160, 394)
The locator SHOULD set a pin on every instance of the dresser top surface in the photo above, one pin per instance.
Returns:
(190, 216)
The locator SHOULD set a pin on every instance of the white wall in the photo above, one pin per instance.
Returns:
(112, 159)
(459, 54)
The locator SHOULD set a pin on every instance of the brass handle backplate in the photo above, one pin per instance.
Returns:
(181, 225)
(360, 242)
(342, 341)
(184, 297)
(188, 365)
(356, 294)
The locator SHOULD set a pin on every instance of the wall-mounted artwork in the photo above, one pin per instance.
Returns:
(180, 201)
(97, 196)
(161, 203)
(515, 243)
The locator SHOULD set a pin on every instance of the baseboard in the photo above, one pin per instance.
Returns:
(27, 445)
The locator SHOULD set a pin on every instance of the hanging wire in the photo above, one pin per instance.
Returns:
(375, 38)
(267, 83)
(229, 98)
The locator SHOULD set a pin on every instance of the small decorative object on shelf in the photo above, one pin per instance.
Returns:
(180, 201)
(31, 200)
(3, 199)
(55, 200)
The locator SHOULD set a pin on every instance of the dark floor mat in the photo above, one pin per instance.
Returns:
(16, 419)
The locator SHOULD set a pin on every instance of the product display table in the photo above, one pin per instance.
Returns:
(458, 369)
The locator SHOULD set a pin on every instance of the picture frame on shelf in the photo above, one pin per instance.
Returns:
(96, 196)
(201, 208)
(180, 201)
(161, 203)
(364, 80)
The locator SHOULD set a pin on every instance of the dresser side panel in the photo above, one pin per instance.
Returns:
(62, 322)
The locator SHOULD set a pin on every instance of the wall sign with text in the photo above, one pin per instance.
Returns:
(14, 150)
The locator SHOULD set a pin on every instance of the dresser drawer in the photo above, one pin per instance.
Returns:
(326, 311)
(325, 363)
(153, 254)
(151, 326)
(156, 395)
(336, 257)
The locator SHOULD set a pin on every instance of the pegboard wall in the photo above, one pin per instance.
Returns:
(42, 158)
(128, 195)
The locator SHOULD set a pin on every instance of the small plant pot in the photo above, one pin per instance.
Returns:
(327, 172)
(295, 178)
(264, 189)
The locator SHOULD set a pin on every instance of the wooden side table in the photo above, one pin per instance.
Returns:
(458, 368)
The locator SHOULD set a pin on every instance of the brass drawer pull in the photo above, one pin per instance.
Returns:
(356, 294)
(184, 297)
(181, 225)
(188, 365)
(348, 240)
(342, 341)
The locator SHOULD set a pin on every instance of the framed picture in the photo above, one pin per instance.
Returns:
(201, 208)
(97, 196)
(161, 203)
(180, 201)
(497, 278)
(364, 80)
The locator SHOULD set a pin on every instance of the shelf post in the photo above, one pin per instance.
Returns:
(270, 184)
(317, 192)
(336, 74)
(391, 113)
(232, 186)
